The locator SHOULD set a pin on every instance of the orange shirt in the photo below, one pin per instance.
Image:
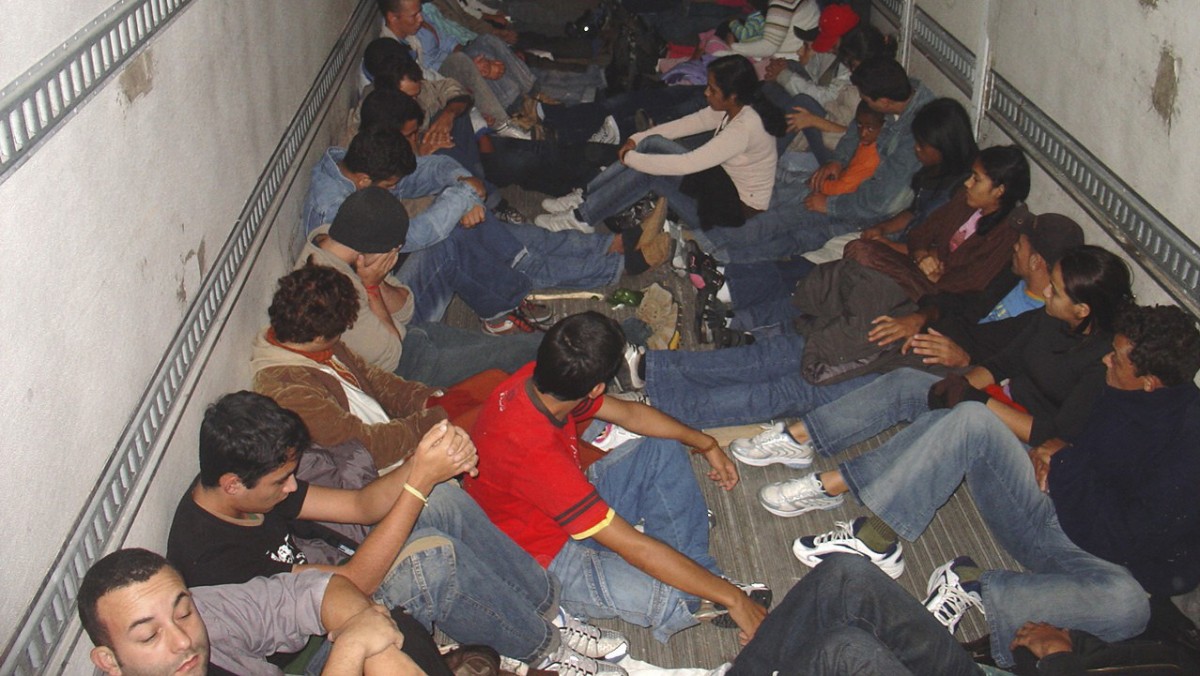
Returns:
(862, 166)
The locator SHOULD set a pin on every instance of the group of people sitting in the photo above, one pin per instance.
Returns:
(390, 475)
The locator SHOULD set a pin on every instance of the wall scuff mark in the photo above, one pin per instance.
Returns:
(1166, 86)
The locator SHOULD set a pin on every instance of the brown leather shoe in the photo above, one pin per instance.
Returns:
(473, 660)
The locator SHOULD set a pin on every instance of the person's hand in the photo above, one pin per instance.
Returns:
(498, 19)
(629, 144)
(937, 349)
(817, 202)
(932, 267)
(490, 69)
(952, 391)
(873, 232)
(800, 119)
(445, 451)
(1042, 639)
(369, 632)
(888, 330)
(373, 273)
(1040, 457)
(441, 125)
(473, 217)
(724, 471)
(774, 68)
(433, 141)
(475, 183)
(747, 615)
(826, 172)
(508, 35)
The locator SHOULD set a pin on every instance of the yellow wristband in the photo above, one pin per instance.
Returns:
(419, 494)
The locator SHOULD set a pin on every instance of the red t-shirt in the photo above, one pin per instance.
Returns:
(530, 483)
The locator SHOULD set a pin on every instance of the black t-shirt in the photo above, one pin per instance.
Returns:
(208, 550)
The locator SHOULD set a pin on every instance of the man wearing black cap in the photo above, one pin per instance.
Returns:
(363, 243)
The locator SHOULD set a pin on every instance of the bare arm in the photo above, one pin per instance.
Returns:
(365, 639)
(650, 422)
(445, 451)
(667, 565)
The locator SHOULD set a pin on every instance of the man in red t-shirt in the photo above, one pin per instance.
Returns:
(533, 485)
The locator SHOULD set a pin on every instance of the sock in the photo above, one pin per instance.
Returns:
(876, 534)
(968, 573)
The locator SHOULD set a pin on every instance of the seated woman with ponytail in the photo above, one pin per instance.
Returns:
(721, 182)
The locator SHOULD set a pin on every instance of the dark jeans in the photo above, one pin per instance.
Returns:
(757, 283)
(848, 617)
(555, 168)
(786, 102)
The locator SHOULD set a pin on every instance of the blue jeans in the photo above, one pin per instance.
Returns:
(786, 228)
(476, 263)
(440, 355)
(517, 78)
(738, 385)
(757, 284)
(848, 617)
(477, 585)
(786, 102)
(619, 187)
(566, 260)
(894, 397)
(647, 480)
(907, 479)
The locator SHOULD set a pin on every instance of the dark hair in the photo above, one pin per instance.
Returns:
(1006, 166)
(1101, 280)
(388, 6)
(313, 302)
(734, 75)
(863, 110)
(880, 77)
(389, 107)
(248, 435)
(118, 570)
(578, 353)
(380, 152)
(864, 42)
(383, 53)
(944, 124)
(1165, 341)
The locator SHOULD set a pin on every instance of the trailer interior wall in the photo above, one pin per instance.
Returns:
(108, 230)
(1119, 76)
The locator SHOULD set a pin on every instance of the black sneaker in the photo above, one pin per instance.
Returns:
(758, 592)
(509, 214)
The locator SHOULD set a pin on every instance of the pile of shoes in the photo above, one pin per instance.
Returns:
(712, 316)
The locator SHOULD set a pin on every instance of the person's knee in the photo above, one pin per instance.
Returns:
(842, 567)
(1126, 600)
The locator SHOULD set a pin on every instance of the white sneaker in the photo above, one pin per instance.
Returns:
(796, 496)
(569, 201)
(589, 641)
(608, 133)
(628, 375)
(563, 220)
(772, 446)
(947, 598)
(812, 549)
(567, 662)
(613, 435)
(510, 130)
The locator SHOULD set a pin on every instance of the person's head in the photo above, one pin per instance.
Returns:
(1042, 242)
(402, 17)
(371, 222)
(883, 84)
(1155, 346)
(390, 107)
(733, 83)
(578, 356)
(1088, 287)
(836, 21)
(140, 617)
(313, 304)
(864, 42)
(381, 54)
(999, 180)
(870, 122)
(249, 449)
(942, 137)
(379, 156)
